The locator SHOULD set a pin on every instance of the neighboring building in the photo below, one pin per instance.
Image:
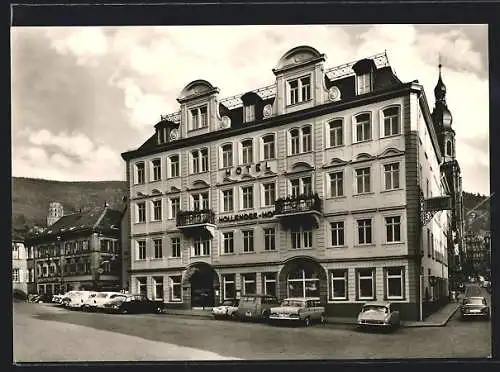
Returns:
(23, 276)
(78, 251)
(309, 187)
(125, 248)
(478, 254)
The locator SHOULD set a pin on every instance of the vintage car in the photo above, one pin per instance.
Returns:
(77, 299)
(133, 304)
(298, 310)
(378, 314)
(474, 307)
(226, 309)
(255, 306)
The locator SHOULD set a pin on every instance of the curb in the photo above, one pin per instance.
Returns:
(442, 324)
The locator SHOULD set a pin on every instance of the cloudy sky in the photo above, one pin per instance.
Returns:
(81, 96)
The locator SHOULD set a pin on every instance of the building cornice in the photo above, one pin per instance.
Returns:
(277, 121)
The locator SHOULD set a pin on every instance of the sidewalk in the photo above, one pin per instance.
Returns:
(438, 319)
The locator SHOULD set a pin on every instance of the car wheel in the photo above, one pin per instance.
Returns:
(265, 315)
(307, 321)
(323, 319)
(124, 311)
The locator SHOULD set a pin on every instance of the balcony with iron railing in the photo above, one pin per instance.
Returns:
(299, 210)
(196, 222)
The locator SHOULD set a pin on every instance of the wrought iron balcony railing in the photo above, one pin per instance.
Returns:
(188, 218)
(298, 203)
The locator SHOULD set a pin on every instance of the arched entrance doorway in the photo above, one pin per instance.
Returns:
(303, 277)
(200, 284)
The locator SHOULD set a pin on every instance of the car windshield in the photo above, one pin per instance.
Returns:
(379, 308)
(228, 303)
(474, 301)
(118, 296)
(102, 295)
(293, 303)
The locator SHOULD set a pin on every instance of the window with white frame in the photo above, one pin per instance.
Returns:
(363, 127)
(269, 282)
(227, 200)
(200, 201)
(301, 186)
(294, 141)
(391, 176)
(306, 139)
(199, 160)
(158, 247)
(15, 275)
(142, 286)
(175, 289)
(366, 284)
(269, 239)
(269, 194)
(364, 83)
(249, 286)
(394, 282)
(141, 212)
(362, 180)
(336, 129)
(175, 243)
(229, 287)
(301, 238)
(140, 173)
(175, 207)
(201, 247)
(227, 155)
(199, 118)
(248, 245)
(299, 90)
(364, 231)
(156, 169)
(141, 250)
(337, 229)
(336, 184)
(393, 229)
(247, 152)
(391, 121)
(338, 284)
(249, 113)
(174, 165)
(161, 135)
(228, 242)
(303, 283)
(158, 287)
(157, 210)
(268, 144)
(247, 197)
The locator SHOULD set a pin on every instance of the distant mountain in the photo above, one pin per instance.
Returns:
(31, 198)
(477, 212)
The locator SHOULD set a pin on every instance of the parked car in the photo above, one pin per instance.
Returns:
(474, 307)
(378, 314)
(226, 309)
(44, 298)
(78, 298)
(133, 304)
(57, 299)
(298, 310)
(256, 306)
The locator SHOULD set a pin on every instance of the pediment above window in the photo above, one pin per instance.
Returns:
(228, 180)
(338, 161)
(364, 156)
(174, 189)
(391, 151)
(200, 184)
(301, 166)
(298, 56)
(155, 192)
(196, 89)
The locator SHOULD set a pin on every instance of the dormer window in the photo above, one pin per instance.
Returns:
(249, 113)
(161, 134)
(364, 83)
(199, 118)
(449, 148)
(299, 90)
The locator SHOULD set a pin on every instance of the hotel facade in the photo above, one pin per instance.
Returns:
(326, 184)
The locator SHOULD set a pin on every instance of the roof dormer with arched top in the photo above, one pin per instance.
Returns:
(199, 108)
(299, 79)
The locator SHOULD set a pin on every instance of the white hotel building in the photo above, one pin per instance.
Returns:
(309, 187)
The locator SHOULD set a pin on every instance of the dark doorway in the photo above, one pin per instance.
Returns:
(203, 282)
